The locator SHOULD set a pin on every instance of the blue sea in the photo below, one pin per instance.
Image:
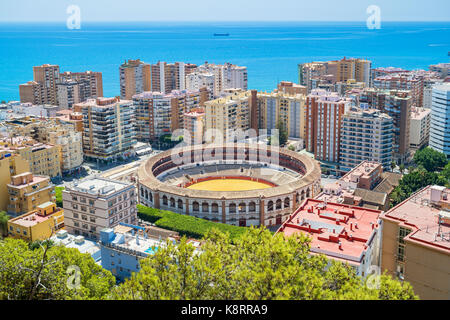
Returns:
(271, 51)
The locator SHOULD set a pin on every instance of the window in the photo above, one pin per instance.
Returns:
(75, 215)
(74, 198)
(92, 219)
(91, 202)
(402, 233)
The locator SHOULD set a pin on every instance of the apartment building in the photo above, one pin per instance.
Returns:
(291, 88)
(416, 242)
(57, 133)
(135, 77)
(342, 88)
(366, 135)
(226, 76)
(279, 107)
(27, 191)
(198, 80)
(10, 165)
(47, 76)
(166, 77)
(39, 224)
(159, 114)
(108, 128)
(69, 93)
(92, 82)
(428, 91)
(397, 104)
(345, 233)
(194, 124)
(408, 81)
(44, 159)
(420, 127)
(97, 203)
(71, 117)
(358, 187)
(313, 74)
(382, 71)
(225, 117)
(62, 89)
(440, 119)
(442, 69)
(323, 113)
(30, 92)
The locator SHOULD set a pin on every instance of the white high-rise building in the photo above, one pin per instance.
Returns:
(226, 76)
(440, 119)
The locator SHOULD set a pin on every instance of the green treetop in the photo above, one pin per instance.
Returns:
(257, 266)
(44, 273)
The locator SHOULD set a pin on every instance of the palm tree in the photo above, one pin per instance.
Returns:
(393, 165)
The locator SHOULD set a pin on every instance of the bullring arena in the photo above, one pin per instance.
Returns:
(237, 184)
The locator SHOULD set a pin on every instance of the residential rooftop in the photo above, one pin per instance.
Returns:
(421, 213)
(98, 186)
(339, 231)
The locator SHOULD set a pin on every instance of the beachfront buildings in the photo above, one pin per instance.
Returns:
(63, 89)
(313, 74)
(38, 224)
(158, 114)
(226, 76)
(166, 77)
(365, 135)
(442, 69)
(397, 104)
(440, 119)
(134, 78)
(26, 191)
(406, 82)
(345, 233)
(227, 117)
(416, 242)
(282, 108)
(420, 127)
(43, 88)
(97, 203)
(91, 82)
(108, 128)
(323, 116)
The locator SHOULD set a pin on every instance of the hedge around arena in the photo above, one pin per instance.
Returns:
(189, 226)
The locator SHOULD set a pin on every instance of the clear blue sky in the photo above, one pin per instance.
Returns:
(224, 10)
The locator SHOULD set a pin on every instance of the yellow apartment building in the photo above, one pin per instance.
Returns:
(286, 108)
(57, 133)
(10, 165)
(26, 192)
(44, 159)
(225, 115)
(39, 224)
(416, 242)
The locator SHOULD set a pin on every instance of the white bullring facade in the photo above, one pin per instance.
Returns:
(292, 178)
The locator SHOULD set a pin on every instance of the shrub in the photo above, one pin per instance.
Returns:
(185, 225)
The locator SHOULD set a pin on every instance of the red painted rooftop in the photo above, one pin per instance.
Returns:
(327, 224)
